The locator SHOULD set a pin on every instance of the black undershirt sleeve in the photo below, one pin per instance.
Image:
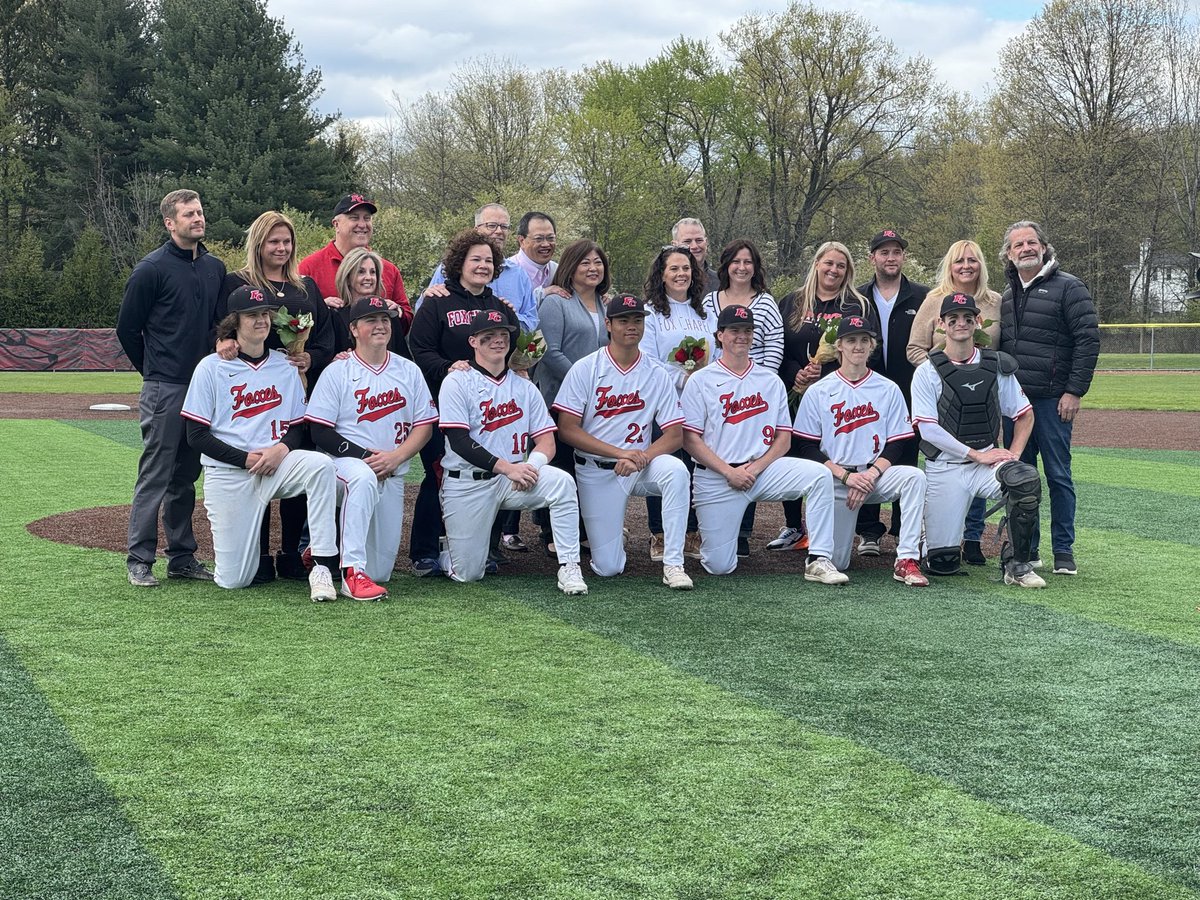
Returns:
(293, 438)
(894, 450)
(200, 436)
(807, 448)
(326, 437)
(464, 445)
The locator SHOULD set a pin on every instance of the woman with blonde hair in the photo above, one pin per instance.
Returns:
(961, 271)
(272, 267)
(828, 293)
(360, 274)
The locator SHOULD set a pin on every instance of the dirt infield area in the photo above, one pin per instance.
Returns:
(105, 527)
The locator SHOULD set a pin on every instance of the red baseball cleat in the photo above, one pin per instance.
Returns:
(908, 571)
(357, 586)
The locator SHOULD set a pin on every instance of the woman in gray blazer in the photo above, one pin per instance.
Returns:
(571, 317)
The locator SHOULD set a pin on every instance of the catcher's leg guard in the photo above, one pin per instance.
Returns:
(1022, 488)
(945, 561)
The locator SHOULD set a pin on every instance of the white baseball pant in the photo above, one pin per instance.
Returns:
(469, 507)
(604, 496)
(950, 489)
(372, 517)
(235, 501)
(719, 508)
(906, 483)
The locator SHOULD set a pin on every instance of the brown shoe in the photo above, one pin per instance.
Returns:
(691, 545)
(656, 547)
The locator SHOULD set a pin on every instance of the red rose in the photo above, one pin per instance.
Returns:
(681, 355)
(295, 323)
(697, 353)
(532, 348)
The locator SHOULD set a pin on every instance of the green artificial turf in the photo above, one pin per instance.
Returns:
(1175, 392)
(760, 737)
(70, 382)
(1145, 361)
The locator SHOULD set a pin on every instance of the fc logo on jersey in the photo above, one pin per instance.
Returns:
(609, 404)
(497, 415)
(847, 420)
(743, 408)
(248, 404)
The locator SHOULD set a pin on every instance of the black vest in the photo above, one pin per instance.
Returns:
(969, 407)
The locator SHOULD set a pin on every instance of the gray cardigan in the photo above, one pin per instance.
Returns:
(571, 334)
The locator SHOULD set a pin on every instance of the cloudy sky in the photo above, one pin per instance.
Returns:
(367, 49)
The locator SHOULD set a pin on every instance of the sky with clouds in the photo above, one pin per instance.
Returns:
(367, 50)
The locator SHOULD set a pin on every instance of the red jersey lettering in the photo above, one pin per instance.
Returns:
(383, 404)
(248, 404)
(847, 420)
(497, 415)
(743, 408)
(609, 404)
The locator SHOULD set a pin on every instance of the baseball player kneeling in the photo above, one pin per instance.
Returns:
(736, 410)
(855, 422)
(372, 412)
(490, 417)
(608, 405)
(958, 397)
(245, 417)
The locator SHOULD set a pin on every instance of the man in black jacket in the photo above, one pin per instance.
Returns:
(165, 326)
(896, 301)
(1048, 323)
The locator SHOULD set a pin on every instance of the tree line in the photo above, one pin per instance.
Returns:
(790, 128)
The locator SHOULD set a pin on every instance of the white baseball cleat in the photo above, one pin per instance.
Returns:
(1026, 579)
(320, 584)
(570, 579)
(676, 579)
(823, 570)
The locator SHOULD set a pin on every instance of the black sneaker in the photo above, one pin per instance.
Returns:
(1064, 564)
(142, 575)
(291, 566)
(972, 554)
(194, 570)
(266, 570)
(743, 549)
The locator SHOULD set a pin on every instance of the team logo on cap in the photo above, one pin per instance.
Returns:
(960, 299)
(376, 302)
(740, 312)
(494, 317)
(889, 233)
(631, 302)
(357, 198)
(856, 322)
(256, 296)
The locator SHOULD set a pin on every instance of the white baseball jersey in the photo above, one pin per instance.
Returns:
(736, 415)
(619, 406)
(853, 420)
(374, 408)
(927, 390)
(504, 415)
(247, 405)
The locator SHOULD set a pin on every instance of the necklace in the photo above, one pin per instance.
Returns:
(279, 286)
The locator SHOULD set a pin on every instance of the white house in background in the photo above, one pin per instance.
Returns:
(1168, 275)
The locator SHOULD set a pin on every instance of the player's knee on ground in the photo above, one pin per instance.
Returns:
(945, 561)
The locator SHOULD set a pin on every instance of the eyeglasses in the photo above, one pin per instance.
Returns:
(495, 226)
(542, 239)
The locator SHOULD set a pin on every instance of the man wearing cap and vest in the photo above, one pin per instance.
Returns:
(353, 224)
(959, 395)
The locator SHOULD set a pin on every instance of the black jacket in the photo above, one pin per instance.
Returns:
(1051, 329)
(438, 338)
(800, 344)
(899, 326)
(168, 313)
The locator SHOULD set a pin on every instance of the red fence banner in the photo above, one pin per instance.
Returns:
(62, 350)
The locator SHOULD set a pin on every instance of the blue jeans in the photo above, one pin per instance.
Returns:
(975, 519)
(1051, 439)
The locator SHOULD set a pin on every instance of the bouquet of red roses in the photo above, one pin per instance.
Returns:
(691, 354)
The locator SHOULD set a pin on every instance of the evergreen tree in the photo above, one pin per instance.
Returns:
(234, 117)
(26, 286)
(90, 292)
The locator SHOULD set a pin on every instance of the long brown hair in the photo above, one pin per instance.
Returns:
(656, 291)
(848, 295)
(256, 236)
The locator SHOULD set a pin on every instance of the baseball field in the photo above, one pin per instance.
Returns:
(758, 737)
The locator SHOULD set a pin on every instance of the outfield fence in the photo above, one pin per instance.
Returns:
(1170, 346)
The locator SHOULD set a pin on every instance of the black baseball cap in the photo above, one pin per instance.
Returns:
(487, 319)
(367, 306)
(625, 305)
(352, 202)
(735, 317)
(958, 303)
(251, 299)
(887, 236)
(854, 325)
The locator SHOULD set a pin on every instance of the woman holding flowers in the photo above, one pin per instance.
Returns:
(359, 275)
(303, 329)
(961, 271)
(680, 336)
(828, 293)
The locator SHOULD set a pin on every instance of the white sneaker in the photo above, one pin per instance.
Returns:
(1027, 579)
(868, 546)
(570, 579)
(676, 579)
(824, 571)
(320, 584)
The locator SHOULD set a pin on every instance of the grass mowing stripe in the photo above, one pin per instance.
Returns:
(1087, 728)
(1132, 473)
(1179, 391)
(64, 834)
(70, 382)
(462, 745)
